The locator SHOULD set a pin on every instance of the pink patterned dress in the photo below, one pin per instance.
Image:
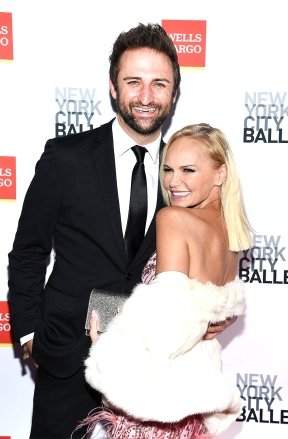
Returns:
(118, 425)
(149, 270)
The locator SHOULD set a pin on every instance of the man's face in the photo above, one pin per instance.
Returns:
(144, 94)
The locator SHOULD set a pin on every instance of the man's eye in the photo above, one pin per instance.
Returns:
(133, 82)
(159, 84)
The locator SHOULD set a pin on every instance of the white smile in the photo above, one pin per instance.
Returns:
(145, 110)
(180, 194)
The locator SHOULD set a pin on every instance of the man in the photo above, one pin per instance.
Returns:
(78, 203)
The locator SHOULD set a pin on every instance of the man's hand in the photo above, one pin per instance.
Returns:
(27, 350)
(29, 345)
(216, 328)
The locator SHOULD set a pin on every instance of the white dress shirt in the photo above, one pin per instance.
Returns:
(125, 161)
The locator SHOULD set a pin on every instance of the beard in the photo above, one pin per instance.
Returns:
(143, 126)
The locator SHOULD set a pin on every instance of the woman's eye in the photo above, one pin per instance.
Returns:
(188, 170)
(165, 169)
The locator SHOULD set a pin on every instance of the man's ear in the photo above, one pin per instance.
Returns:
(176, 96)
(112, 89)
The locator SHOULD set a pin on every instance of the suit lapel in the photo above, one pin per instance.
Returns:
(106, 174)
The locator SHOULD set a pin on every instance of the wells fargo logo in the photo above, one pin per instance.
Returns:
(8, 178)
(6, 36)
(189, 38)
(5, 327)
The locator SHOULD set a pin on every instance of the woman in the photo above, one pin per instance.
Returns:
(159, 378)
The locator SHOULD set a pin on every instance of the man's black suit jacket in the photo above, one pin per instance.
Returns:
(72, 206)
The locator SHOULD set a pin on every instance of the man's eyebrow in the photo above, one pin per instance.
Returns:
(139, 79)
(131, 77)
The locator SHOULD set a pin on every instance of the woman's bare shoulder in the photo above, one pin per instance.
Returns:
(171, 244)
(182, 219)
(171, 214)
(169, 211)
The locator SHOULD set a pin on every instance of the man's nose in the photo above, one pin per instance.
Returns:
(146, 95)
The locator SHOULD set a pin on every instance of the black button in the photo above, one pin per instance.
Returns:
(128, 276)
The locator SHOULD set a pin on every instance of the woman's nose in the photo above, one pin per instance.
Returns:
(175, 180)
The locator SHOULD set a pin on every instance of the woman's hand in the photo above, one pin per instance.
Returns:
(216, 328)
(94, 333)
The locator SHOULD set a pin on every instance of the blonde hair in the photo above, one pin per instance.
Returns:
(233, 209)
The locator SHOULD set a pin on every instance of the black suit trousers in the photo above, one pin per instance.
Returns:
(70, 401)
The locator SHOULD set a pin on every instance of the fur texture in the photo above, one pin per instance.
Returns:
(152, 362)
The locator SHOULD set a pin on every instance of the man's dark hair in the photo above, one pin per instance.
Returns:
(152, 36)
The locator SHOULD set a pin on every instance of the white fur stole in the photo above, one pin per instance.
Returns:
(152, 362)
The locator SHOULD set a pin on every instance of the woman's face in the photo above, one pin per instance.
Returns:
(190, 177)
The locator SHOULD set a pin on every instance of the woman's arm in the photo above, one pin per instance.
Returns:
(171, 244)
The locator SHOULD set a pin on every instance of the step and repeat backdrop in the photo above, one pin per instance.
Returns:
(233, 55)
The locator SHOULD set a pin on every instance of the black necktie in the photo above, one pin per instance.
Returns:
(136, 222)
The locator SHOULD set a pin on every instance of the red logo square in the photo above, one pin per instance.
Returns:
(8, 178)
(6, 36)
(189, 38)
(5, 327)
